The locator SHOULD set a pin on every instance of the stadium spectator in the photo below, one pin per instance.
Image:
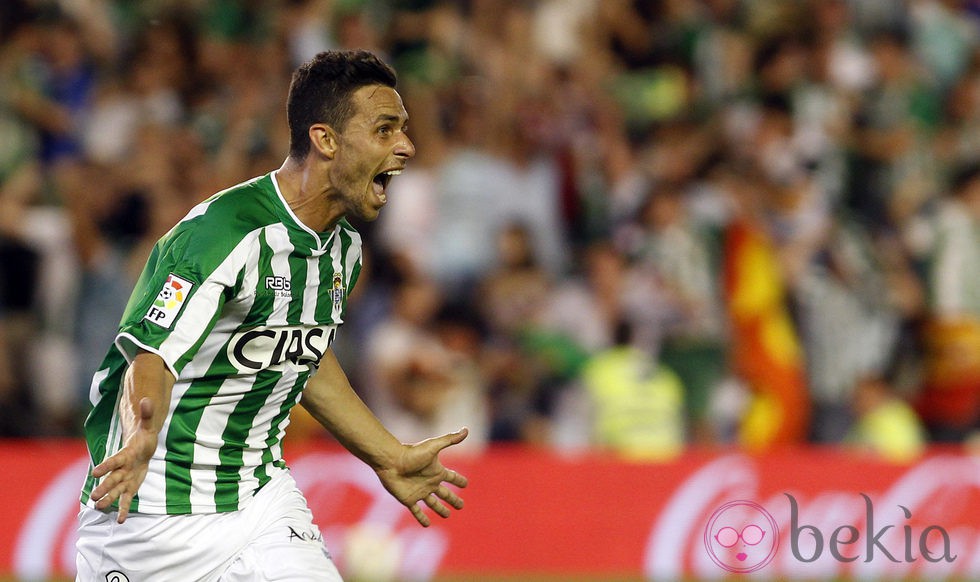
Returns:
(515, 289)
(508, 300)
(685, 258)
(950, 399)
(424, 373)
(852, 310)
(887, 427)
(626, 403)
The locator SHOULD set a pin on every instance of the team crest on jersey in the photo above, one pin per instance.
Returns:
(167, 305)
(337, 292)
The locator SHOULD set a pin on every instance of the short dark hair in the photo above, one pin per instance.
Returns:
(321, 92)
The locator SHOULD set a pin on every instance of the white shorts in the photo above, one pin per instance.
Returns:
(273, 538)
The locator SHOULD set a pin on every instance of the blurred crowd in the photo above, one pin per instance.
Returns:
(632, 225)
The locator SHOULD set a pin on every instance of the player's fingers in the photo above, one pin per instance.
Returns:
(436, 505)
(455, 478)
(110, 464)
(107, 485)
(450, 497)
(109, 498)
(124, 502)
(448, 440)
(419, 515)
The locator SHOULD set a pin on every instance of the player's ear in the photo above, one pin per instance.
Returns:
(324, 140)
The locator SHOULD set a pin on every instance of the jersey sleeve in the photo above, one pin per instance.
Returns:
(178, 297)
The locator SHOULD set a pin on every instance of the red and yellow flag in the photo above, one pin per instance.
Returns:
(766, 352)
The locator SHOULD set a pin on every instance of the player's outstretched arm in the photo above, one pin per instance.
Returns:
(142, 408)
(411, 473)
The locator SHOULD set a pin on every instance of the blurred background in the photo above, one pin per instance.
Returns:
(643, 233)
(636, 226)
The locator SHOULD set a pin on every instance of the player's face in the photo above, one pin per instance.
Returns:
(374, 146)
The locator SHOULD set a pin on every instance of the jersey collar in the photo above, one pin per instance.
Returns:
(321, 239)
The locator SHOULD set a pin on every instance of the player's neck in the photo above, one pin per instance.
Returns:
(306, 195)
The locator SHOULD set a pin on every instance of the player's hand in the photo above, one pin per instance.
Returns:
(124, 471)
(419, 476)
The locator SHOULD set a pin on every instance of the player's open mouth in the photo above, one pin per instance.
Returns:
(384, 178)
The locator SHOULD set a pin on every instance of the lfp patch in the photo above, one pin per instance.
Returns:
(166, 306)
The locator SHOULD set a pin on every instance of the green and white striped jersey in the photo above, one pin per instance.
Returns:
(241, 300)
